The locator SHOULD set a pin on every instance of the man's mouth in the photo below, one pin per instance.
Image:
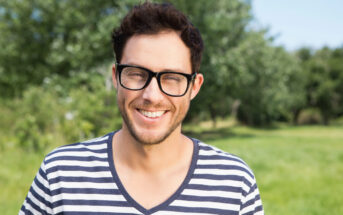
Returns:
(151, 114)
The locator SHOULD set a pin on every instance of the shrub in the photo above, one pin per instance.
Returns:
(38, 114)
(53, 114)
(310, 116)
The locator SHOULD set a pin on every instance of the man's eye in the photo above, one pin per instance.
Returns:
(136, 74)
(176, 78)
(133, 74)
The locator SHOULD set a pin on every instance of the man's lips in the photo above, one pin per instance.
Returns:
(152, 114)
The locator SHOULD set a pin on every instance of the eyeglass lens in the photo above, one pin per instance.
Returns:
(170, 83)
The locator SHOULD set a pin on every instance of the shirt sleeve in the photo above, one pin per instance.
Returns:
(251, 203)
(38, 199)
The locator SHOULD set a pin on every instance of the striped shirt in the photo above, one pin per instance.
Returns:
(81, 179)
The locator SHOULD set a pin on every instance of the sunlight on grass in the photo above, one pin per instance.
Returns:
(17, 170)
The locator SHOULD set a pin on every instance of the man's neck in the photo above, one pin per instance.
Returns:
(157, 169)
(175, 150)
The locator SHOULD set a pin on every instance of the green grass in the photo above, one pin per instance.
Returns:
(17, 171)
(299, 170)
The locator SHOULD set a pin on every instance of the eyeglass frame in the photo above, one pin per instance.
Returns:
(157, 75)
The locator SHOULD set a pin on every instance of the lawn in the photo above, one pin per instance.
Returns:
(299, 170)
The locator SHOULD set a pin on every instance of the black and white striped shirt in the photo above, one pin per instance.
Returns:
(81, 179)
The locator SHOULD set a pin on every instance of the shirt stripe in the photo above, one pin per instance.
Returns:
(80, 179)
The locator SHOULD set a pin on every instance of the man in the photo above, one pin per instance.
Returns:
(148, 166)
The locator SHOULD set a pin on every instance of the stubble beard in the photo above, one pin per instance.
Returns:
(144, 140)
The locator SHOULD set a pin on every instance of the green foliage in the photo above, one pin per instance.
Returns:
(39, 115)
(264, 81)
(52, 112)
(40, 38)
(324, 80)
(90, 114)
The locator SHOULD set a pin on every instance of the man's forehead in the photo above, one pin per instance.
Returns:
(157, 52)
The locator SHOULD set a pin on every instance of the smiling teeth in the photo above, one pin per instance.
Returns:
(152, 114)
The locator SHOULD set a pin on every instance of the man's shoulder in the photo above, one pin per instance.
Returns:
(79, 153)
(93, 144)
(211, 157)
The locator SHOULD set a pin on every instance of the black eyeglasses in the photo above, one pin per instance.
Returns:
(137, 78)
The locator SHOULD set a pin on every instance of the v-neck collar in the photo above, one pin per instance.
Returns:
(167, 202)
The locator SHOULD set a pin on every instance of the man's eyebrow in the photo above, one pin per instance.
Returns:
(179, 70)
(173, 70)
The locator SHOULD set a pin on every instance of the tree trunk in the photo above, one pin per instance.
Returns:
(213, 115)
(234, 108)
(296, 113)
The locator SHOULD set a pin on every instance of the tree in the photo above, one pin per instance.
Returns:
(265, 81)
(324, 82)
(241, 67)
(40, 38)
(336, 73)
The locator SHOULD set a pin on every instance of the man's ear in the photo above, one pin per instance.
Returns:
(195, 87)
(114, 79)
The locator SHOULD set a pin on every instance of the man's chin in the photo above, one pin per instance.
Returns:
(148, 138)
(152, 136)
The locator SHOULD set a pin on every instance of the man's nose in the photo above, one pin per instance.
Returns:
(152, 92)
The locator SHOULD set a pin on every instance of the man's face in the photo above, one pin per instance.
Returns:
(148, 114)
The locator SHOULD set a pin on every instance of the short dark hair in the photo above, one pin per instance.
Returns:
(152, 18)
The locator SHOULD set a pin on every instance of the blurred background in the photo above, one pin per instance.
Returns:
(273, 91)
